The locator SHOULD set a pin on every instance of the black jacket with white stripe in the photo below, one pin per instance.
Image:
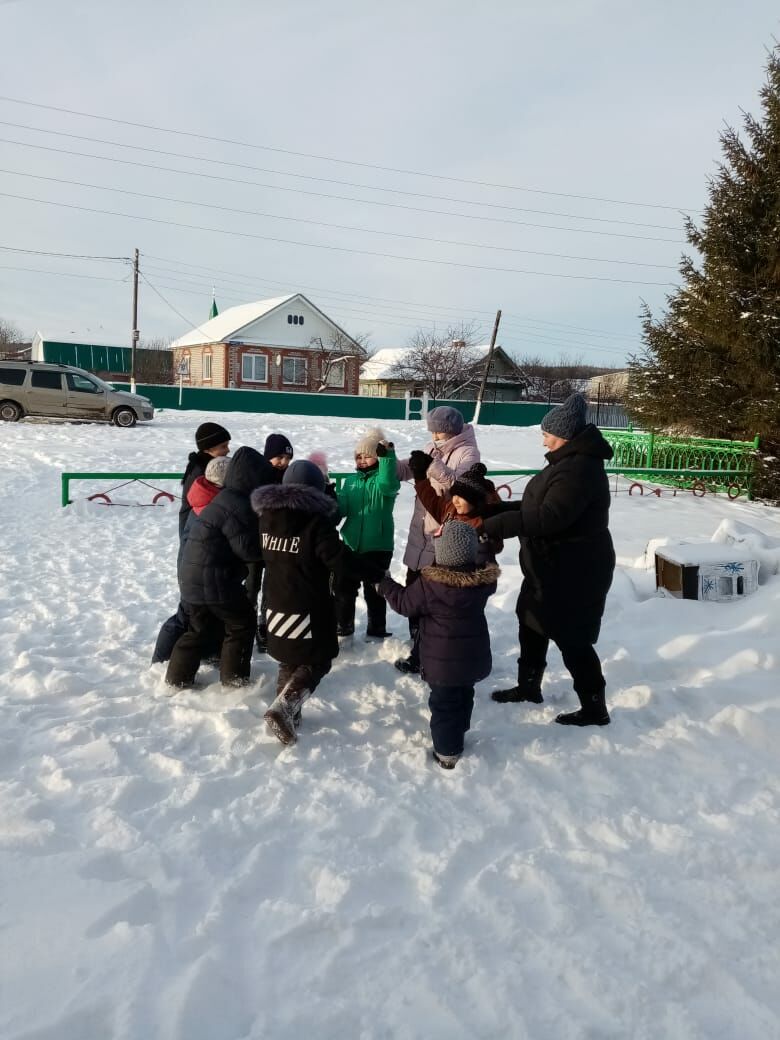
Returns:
(301, 548)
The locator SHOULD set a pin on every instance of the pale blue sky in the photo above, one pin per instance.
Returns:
(621, 101)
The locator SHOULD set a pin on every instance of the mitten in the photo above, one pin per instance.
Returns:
(419, 462)
(381, 450)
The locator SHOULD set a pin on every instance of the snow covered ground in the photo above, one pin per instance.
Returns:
(167, 870)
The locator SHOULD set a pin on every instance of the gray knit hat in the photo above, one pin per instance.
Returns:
(567, 420)
(216, 470)
(304, 472)
(457, 545)
(445, 419)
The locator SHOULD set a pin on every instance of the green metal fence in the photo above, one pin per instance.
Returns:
(719, 465)
(734, 482)
(353, 406)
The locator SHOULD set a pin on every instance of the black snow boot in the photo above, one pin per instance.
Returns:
(408, 665)
(592, 713)
(529, 687)
(284, 716)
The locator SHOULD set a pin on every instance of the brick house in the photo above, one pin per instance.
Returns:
(286, 343)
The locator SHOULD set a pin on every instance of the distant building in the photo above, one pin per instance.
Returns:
(379, 376)
(610, 386)
(15, 351)
(285, 343)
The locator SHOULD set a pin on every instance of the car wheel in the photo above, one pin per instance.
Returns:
(124, 417)
(10, 411)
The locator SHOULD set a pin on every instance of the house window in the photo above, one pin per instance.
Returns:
(254, 368)
(294, 371)
(336, 374)
(207, 365)
(295, 319)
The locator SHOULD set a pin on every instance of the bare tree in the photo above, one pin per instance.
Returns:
(331, 355)
(10, 336)
(555, 380)
(443, 364)
(154, 361)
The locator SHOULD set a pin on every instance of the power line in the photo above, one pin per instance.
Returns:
(62, 274)
(332, 248)
(211, 271)
(333, 159)
(332, 227)
(69, 256)
(514, 329)
(308, 177)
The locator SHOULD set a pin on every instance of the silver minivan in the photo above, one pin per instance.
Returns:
(64, 392)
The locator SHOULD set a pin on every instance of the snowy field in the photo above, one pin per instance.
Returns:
(167, 870)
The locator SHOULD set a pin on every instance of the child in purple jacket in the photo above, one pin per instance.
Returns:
(449, 600)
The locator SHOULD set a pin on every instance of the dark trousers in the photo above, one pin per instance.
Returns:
(376, 605)
(580, 658)
(175, 627)
(451, 708)
(414, 623)
(298, 678)
(238, 619)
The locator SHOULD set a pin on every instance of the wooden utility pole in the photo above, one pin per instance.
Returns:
(134, 339)
(483, 384)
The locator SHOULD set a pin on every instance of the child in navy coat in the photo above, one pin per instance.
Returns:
(449, 600)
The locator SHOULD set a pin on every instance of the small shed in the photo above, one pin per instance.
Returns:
(708, 571)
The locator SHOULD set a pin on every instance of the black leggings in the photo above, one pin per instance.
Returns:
(580, 658)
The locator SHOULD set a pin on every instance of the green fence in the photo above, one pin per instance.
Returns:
(351, 406)
(91, 357)
(718, 465)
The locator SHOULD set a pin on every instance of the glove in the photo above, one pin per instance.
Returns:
(419, 462)
(383, 448)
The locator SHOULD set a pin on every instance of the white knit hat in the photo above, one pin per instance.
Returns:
(368, 442)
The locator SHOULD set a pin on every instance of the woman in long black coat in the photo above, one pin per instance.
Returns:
(567, 559)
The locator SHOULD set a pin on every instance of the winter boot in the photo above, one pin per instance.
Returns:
(529, 687)
(280, 717)
(446, 761)
(592, 713)
(372, 634)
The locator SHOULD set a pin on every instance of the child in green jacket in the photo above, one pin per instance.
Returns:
(366, 501)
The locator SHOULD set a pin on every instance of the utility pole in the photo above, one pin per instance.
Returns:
(134, 340)
(488, 362)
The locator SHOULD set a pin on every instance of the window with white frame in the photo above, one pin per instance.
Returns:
(294, 371)
(207, 364)
(254, 368)
(336, 374)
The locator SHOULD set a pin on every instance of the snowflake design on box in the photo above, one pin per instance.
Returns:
(733, 568)
(707, 585)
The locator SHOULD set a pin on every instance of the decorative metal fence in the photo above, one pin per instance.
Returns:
(718, 465)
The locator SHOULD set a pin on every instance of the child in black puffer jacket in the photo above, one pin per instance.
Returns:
(213, 565)
(450, 599)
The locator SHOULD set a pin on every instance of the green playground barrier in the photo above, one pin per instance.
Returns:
(734, 482)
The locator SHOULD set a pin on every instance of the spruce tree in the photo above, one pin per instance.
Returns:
(711, 363)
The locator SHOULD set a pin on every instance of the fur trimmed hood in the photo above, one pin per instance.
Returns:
(487, 575)
(294, 496)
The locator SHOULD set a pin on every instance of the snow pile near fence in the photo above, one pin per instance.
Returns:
(167, 870)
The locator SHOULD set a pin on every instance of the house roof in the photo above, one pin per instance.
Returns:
(85, 338)
(381, 365)
(230, 322)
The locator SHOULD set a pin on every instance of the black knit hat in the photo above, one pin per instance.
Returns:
(472, 485)
(209, 435)
(277, 444)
